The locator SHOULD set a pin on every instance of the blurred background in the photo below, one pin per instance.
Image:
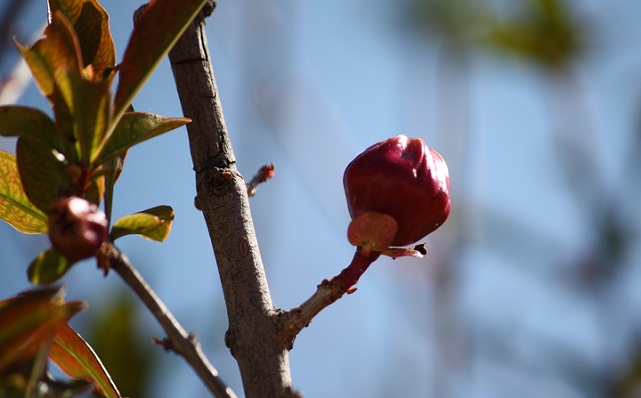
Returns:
(530, 289)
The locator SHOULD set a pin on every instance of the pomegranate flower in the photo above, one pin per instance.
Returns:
(404, 179)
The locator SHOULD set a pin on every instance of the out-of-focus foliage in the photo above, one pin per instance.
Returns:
(76, 358)
(544, 31)
(29, 323)
(458, 22)
(114, 334)
(551, 35)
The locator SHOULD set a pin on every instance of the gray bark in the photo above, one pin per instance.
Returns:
(253, 335)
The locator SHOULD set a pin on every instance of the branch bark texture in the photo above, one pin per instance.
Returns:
(253, 335)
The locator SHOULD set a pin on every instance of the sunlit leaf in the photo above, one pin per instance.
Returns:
(154, 224)
(91, 24)
(48, 267)
(15, 207)
(90, 108)
(29, 321)
(159, 27)
(77, 359)
(59, 49)
(17, 121)
(134, 128)
(42, 172)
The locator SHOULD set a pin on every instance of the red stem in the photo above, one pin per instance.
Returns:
(349, 277)
(294, 320)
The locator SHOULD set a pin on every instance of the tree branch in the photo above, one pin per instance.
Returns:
(181, 342)
(253, 335)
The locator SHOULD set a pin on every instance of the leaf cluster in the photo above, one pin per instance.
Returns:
(79, 151)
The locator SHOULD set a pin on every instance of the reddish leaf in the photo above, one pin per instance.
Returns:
(159, 27)
(59, 49)
(91, 23)
(77, 359)
(28, 322)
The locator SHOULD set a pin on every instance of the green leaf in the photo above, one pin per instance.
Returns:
(29, 322)
(113, 168)
(134, 128)
(153, 224)
(42, 172)
(91, 23)
(77, 359)
(59, 49)
(159, 27)
(18, 121)
(15, 207)
(90, 109)
(48, 267)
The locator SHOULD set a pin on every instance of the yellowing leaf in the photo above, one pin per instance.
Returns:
(91, 23)
(153, 224)
(77, 359)
(15, 207)
(48, 267)
(58, 50)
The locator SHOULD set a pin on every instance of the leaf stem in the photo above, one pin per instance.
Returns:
(182, 343)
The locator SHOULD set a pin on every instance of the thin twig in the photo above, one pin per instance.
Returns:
(264, 173)
(182, 343)
(327, 292)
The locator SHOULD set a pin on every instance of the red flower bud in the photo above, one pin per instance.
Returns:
(403, 178)
(77, 228)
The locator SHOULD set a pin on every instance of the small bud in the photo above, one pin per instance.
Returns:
(77, 228)
(403, 178)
